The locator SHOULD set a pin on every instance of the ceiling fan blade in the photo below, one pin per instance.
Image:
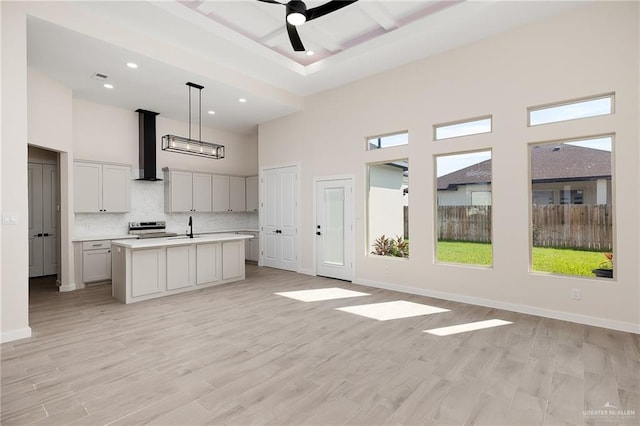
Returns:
(326, 8)
(295, 38)
(272, 2)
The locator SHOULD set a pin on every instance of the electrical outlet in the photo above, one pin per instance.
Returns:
(575, 294)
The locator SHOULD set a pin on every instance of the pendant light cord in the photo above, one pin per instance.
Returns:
(189, 112)
(199, 87)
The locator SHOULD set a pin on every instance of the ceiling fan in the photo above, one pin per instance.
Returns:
(298, 14)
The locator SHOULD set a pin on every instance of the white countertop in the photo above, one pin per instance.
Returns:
(178, 241)
(103, 237)
(128, 236)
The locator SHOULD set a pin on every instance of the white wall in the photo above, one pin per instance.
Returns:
(49, 113)
(109, 134)
(14, 256)
(460, 196)
(387, 202)
(37, 110)
(590, 50)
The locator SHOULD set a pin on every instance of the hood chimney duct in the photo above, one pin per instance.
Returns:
(147, 144)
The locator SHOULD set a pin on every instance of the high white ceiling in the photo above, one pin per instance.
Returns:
(240, 49)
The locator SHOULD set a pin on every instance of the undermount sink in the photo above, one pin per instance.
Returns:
(183, 237)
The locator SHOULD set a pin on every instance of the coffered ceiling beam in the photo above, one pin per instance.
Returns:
(377, 12)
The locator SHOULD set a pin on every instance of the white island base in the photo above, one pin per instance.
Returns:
(150, 268)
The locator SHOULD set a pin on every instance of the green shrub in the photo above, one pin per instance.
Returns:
(385, 246)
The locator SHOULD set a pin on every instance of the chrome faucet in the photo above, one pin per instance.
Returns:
(190, 230)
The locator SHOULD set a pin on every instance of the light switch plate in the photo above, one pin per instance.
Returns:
(9, 219)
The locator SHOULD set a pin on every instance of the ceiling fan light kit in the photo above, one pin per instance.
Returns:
(198, 147)
(297, 14)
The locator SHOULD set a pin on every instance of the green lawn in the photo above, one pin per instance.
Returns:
(557, 261)
(566, 261)
(462, 252)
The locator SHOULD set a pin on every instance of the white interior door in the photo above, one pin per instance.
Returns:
(50, 218)
(279, 218)
(43, 219)
(334, 228)
(36, 239)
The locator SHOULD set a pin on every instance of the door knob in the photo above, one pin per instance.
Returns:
(318, 233)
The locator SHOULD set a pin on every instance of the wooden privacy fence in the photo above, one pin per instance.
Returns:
(464, 223)
(580, 226)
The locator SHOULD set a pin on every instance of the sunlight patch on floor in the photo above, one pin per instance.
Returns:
(321, 294)
(463, 328)
(392, 310)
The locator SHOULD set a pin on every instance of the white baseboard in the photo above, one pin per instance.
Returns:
(306, 272)
(523, 309)
(9, 336)
(65, 288)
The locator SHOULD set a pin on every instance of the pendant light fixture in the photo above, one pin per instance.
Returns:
(191, 146)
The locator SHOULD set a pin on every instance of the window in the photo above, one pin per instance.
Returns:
(542, 197)
(571, 211)
(462, 128)
(389, 208)
(387, 141)
(563, 111)
(463, 215)
(571, 196)
(480, 198)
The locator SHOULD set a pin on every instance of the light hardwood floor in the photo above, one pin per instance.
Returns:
(237, 354)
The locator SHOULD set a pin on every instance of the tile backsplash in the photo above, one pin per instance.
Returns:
(147, 204)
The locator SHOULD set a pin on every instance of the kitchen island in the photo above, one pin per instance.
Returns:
(149, 268)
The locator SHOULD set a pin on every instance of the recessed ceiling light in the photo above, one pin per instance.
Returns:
(132, 65)
(211, 112)
(310, 52)
(108, 86)
(243, 100)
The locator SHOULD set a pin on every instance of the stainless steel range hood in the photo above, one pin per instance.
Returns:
(147, 144)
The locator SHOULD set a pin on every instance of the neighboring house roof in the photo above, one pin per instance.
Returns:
(550, 163)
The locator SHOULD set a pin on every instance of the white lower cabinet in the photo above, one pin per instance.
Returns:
(96, 261)
(148, 272)
(233, 260)
(96, 265)
(181, 267)
(252, 247)
(209, 263)
(144, 269)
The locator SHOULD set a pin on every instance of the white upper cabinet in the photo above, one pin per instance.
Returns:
(237, 201)
(202, 192)
(178, 191)
(115, 188)
(252, 193)
(228, 194)
(220, 193)
(101, 187)
(187, 191)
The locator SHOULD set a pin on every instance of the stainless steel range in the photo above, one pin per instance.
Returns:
(150, 229)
